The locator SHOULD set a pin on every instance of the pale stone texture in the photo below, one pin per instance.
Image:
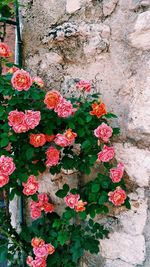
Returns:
(106, 42)
(140, 38)
(130, 249)
(72, 6)
(137, 162)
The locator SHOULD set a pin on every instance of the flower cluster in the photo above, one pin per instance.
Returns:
(7, 167)
(73, 202)
(22, 122)
(31, 186)
(55, 101)
(42, 204)
(41, 252)
(65, 139)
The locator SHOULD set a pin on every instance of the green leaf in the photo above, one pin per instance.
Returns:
(88, 118)
(82, 215)
(29, 153)
(95, 188)
(4, 142)
(103, 198)
(110, 116)
(63, 237)
(116, 131)
(62, 192)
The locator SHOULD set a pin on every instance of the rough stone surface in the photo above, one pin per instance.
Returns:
(106, 42)
(140, 38)
(130, 249)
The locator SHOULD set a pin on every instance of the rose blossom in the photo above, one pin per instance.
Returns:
(70, 135)
(53, 155)
(35, 210)
(104, 132)
(50, 249)
(98, 109)
(16, 119)
(117, 197)
(37, 140)
(106, 154)
(42, 198)
(71, 200)
(84, 85)
(31, 186)
(5, 50)
(37, 242)
(80, 206)
(48, 207)
(29, 260)
(37, 80)
(4, 179)
(64, 109)
(32, 118)
(41, 252)
(117, 173)
(52, 99)
(7, 166)
(39, 262)
(49, 138)
(21, 80)
(61, 140)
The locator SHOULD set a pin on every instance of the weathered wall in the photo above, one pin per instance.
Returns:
(108, 43)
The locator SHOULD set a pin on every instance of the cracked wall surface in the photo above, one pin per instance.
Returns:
(108, 43)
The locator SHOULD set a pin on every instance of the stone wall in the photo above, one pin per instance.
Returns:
(108, 43)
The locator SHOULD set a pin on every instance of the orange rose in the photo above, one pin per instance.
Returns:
(98, 109)
(37, 140)
(37, 242)
(80, 206)
(118, 196)
(52, 99)
(70, 135)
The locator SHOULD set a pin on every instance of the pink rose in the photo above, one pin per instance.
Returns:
(29, 260)
(39, 262)
(35, 210)
(61, 140)
(42, 198)
(16, 117)
(106, 154)
(117, 197)
(104, 132)
(117, 173)
(21, 80)
(41, 252)
(31, 186)
(84, 85)
(64, 109)
(71, 200)
(37, 80)
(4, 50)
(20, 128)
(32, 118)
(3, 180)
(7, 166)
(53, 155)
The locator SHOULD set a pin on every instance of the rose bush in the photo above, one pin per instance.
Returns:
(43, 131)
